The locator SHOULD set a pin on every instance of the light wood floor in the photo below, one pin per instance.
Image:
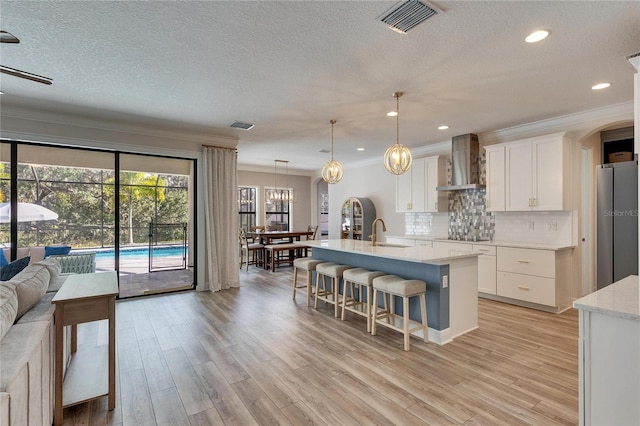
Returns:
(253, 356)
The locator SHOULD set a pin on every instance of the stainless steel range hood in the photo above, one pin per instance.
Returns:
(465, 173)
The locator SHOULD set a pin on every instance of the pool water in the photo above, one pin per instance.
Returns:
(142, 252)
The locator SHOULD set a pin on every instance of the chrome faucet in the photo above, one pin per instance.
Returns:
(373, 228)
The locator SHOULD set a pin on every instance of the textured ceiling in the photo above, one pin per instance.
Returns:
(290, 67)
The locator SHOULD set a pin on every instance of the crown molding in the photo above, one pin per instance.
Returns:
(578, 123)
(14, 114)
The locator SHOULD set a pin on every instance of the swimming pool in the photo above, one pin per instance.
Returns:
(142, 252)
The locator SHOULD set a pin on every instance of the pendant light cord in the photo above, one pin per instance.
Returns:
(397, 118)
(332, 123)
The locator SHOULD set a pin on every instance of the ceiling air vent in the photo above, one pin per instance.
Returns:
(241, 125)
(407, 15)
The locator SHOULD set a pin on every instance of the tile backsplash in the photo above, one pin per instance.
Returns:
(469, 219)
(535, 227)
(426, 224)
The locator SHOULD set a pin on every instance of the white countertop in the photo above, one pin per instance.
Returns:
(539, 246)
(419, 254)
(620, 299)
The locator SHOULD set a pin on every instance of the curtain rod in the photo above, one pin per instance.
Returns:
(221, 147)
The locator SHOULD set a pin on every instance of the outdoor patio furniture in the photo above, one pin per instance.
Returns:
(78, 263)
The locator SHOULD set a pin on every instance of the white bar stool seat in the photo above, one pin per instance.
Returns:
(361, 279)
(308, 265)
(391, 286)
(333, 271)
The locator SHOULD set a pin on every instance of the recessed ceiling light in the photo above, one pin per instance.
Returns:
(537, 36)
(392, 113)
(360, 149)
(443, 127)
(601, 86)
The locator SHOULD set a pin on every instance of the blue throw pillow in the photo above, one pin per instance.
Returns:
(9, 271)
(56, 250)
(3, 260)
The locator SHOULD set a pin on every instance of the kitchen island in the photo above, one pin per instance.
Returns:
(451, 277)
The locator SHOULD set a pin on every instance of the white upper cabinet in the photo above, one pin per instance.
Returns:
(403, 191)
(495, 177)
(538, 173)
(416, 188)
(435, 175)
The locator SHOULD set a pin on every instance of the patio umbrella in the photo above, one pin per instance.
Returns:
(27, 212)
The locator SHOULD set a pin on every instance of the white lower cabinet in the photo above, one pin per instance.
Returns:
(408, 241)
(486, 268)
(453, 247)
(400, 241)
(528, 288)
(424, 243)
(535, 276)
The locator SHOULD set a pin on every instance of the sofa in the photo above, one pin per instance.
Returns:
(27, 344)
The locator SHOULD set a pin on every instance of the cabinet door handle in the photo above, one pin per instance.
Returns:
(530, 202)
(483, 250)
(522, 287)
(436, 205)
(523, 261)
(534, 201)
(488, 204)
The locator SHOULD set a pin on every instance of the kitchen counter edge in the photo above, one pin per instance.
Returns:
(620, 299)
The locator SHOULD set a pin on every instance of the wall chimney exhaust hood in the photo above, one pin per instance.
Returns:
(465, 173)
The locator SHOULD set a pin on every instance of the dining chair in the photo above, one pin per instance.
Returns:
(314, 229)
(307, 251)
(256, 250)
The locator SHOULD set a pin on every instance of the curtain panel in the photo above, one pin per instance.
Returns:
(221, 218)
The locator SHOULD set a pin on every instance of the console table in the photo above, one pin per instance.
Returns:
(85, 298)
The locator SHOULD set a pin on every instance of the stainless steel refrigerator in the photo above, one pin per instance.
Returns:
(617, 222)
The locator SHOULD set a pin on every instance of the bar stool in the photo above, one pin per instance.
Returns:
(391, 286)
(362, 279)
(308, 265)
(333, 271)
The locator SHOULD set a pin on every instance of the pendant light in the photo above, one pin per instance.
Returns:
(397, 158)
(280, 194)
(290, 193)
(332, 170)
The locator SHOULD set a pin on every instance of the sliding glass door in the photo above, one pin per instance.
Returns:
(154, 224)
(126, 212)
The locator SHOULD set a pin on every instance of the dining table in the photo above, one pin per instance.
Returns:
(267, 237)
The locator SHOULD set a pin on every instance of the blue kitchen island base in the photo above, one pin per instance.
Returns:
(452, 296)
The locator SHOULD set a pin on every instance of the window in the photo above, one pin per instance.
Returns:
(277, 211)
(247, 207)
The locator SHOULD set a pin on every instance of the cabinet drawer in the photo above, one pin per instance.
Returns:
(400, 241)
(527, 261)
(488, 250)
(527, 288)
(448, 248)
(424, 243)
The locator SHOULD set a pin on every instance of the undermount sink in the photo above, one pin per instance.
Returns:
(390, 245)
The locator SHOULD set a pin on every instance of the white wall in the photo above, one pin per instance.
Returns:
(301, 209)
(373, 182)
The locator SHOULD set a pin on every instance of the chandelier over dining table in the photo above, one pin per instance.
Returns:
(277, 194)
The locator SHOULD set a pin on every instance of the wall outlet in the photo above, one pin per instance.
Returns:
(552, 226)
(531, 225)
(445, 281)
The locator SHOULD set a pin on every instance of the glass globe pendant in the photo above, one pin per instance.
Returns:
(332, 170)
(397, 158)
